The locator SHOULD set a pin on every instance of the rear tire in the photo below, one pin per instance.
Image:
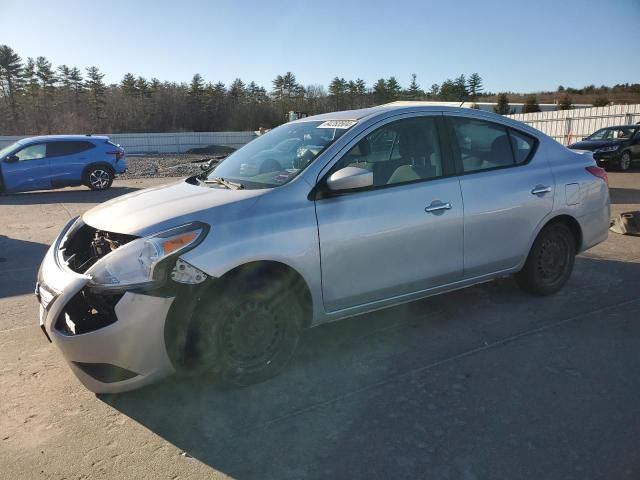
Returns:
(625, 161)
(550, 261)
(249, 333)
(99, 177)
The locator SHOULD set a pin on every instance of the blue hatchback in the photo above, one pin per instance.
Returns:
(55, 161)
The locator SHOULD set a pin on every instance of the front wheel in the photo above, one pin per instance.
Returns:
(625, 161)
(550, 261)
(249, 333)
(99, 178)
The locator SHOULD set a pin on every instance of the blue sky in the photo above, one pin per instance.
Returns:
(514, 45)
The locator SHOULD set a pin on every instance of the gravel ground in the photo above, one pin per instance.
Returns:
(169, 165)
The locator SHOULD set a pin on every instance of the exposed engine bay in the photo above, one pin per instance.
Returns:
(88, 245)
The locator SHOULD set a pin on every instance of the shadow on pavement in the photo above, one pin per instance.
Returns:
(461, 385)
(19, 262)
(624, 195)
(64, 196)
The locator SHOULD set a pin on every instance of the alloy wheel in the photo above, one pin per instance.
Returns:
(99, 179)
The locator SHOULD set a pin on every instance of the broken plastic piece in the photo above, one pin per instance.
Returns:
(627, 223)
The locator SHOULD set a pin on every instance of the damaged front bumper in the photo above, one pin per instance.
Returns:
(113, 343)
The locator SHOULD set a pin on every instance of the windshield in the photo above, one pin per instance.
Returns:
(279, 155)
(614, 133)
(6, 150)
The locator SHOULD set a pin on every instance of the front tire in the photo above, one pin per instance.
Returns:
(99, 178)
(249, 333)
(625, 161)
(550, 261)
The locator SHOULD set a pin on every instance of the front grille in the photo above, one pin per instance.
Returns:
(87, 312)
(87, 245)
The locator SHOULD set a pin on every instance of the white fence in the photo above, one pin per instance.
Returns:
(169, 142)
(569, 126)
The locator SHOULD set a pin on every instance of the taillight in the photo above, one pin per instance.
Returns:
(599, 172)
(118, 153)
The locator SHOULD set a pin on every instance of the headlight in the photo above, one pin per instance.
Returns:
(135, 263)
(612, 148)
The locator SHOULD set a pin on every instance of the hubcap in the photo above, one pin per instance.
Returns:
(625, 161)
(252, 336)
(553, 259)
(99, 178)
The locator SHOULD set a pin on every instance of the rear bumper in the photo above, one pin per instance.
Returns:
(121, 166)
(595, 227)
(126, 353)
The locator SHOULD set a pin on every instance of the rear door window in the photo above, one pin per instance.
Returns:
(59, 149)
(481, 145)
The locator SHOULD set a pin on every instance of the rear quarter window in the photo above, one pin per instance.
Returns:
(58, 149)
(523, 146)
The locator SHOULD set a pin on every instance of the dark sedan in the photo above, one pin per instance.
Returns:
(613, 146)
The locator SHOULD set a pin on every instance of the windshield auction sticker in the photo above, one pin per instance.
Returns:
(338, 124)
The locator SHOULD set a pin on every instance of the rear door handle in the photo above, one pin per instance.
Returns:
(540, 189)
(437, 206)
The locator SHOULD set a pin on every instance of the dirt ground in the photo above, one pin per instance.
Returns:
(482, 383)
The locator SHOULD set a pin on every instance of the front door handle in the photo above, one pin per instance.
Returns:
(540, 189)
(437, 206)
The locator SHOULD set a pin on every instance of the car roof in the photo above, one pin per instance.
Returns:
(619, 126)
(60, 138)
(414, 107)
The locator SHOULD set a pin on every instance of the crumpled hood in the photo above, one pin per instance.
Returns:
(593, 145)
(145, 211)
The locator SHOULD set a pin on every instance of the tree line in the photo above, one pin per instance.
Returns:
(38, 98)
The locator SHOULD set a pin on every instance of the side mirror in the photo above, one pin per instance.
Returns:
(584, 138)
(350, 178)
(11, 159)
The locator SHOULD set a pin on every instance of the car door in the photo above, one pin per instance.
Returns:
(507, 189)
(26, 169)
(402, 235)
(67, 161)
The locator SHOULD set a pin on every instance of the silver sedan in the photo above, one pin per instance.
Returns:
(320, 219)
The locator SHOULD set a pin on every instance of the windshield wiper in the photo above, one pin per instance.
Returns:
(226, 183)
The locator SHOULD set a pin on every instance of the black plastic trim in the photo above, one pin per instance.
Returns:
(105, 372)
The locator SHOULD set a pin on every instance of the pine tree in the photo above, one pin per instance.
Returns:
(77, 83)
(196, 87)
(97, 90)
(338, 90)
(393, 88)
(237, 90)
(461, 91)
(448, 91)
(531, 105)
(474, 85)
(48, 79)
(11, 80)
(128, 85)
(502, 107)
(380, 93)
(414, 92)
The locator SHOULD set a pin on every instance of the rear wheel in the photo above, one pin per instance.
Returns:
(99, 177)
(625, 161)
(249, 333)
(550, 261)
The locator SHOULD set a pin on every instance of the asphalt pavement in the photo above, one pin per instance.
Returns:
(482, 383)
